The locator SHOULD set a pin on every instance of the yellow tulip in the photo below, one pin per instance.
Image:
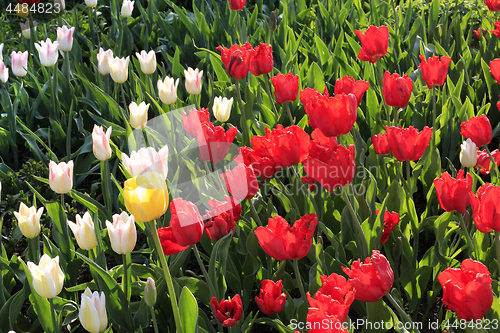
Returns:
(146, 196)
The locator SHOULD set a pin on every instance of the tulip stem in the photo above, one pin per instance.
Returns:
(153, 92)
(266, 81)
(357, 223)
(91, 22)
(254, 213)
(494, 163)
(125, 277)
(396, 116)
(287, 109)
(299, 281)
(33, 249)
(472, 171)
(202, 266)
(153, 316)
(401, 312)
(106, 188)
(381, 84)
(246, 134)
(168, 278)
(124, 103)
(497, 246)
(434, 125)
(53, 315)
(466, 233)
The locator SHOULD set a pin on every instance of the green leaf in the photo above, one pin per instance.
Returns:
(188, 308)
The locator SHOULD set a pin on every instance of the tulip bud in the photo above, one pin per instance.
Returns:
(119, 68)
(122, 233)
(28, 220)
(127, 8)
(103, 58)
(222, 108)
(25, 28)
(93, 311)
(148, 61)
(84, 231)
(48, 278)
(47, 52)
(65, 37)
(19, 63)
(91, 3)
(468, 154)
(4, 72)
(193, 80)
(101, 147)
(138, 115)
(22, 10)
(168, 90)
(59, 5)
(150, 292)
(1, 51)
(272, 21)
(61, 176)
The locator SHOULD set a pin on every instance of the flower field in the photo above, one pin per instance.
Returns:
(249, 166)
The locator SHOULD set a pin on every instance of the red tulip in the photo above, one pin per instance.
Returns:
(334, 116)
(236, 59)
(331, 166)
(283, 242)
(222, 218)
(480, 31)
(310, 181)
(374, 43)
(264, 167)
(241, 182)
(498, 105)
(408, 144)
(228, 312)
(486, 208)
(380, 144)
(330, 304)
(478, 129)
(493, 5)
(271, 299)
(495, 69)
(308, 93)
(347, 85)
(467, 290)
(261, 59)
(371, 279)
(28, 2)
(286, 87)
(287, 146)
(390, 222)
(397, 89)
(214, 142)
(484, 162)
(193, 122)
(496, 32)
(237, 4)
(434, 71)
(453, 194)
(186, 227)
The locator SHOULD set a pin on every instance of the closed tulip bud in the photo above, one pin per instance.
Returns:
(84, 232)
(103, 58)
(60, 5)
(93, 311)
(146, 196)
(468, 154)
(150, 292)
(91, 3)
(193, 80)
(48, 52)
(19, 63)
(222, 108)
(122, 233)
(148, 61)
(272, 21)
(101, 147)
(61, 176)
(167, 90)
(4, 72)
(138, 115)
(25, 28)
(119, 69)
(48, 278)
(127, 8)
(65, 37)
(28, 220)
